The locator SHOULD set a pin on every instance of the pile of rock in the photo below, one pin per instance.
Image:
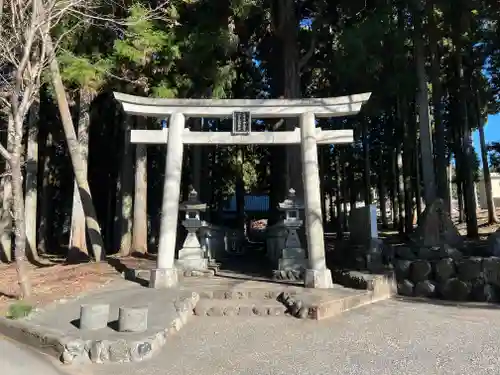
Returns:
(445, 273)
(437, 264)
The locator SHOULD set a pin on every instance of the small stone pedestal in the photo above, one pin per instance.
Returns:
(320, 279)
(163, 278)
(93, 317)
(132, 319)
(192, 256)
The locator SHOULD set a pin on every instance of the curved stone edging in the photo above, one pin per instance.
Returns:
(73, 350)
(122, 350)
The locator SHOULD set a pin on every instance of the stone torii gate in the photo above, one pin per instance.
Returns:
(176, 136)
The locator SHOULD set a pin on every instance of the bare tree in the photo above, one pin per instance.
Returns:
(27, 50)
(23, 24)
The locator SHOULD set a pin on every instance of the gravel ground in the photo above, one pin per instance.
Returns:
(390, 337)
(16, 359)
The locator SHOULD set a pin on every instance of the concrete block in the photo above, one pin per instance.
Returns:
(163, 278)
(94, 317)
(132, 319)
(321, 279)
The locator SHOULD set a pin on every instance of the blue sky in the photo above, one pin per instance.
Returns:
(491, 132)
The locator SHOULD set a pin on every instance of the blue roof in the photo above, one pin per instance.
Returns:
(255, 203)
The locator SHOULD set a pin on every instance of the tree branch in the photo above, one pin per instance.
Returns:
(5, 153)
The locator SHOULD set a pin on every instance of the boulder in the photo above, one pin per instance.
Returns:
(470, 269)
(402, 269)
(491, 270)
(444, 269)
(493, 245)
(425, 288)
(404, 252)
(483, 292)
(420, 270)
(456, 290)
(405, 288)
(448, 251)
(435, 227)
(425, 253)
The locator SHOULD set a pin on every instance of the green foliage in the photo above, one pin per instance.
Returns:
(142, 40)
(19, 310)
(164, 90)
(84, 71)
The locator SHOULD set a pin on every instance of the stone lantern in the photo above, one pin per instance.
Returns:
(293, 256)
(192, 256)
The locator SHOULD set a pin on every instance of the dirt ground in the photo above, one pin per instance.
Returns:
(57, 280)
(53, 282)
(484, 229)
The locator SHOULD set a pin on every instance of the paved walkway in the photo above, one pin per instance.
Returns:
(390, 337)
(16, 359)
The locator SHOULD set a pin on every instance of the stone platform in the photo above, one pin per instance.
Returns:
(55, 330)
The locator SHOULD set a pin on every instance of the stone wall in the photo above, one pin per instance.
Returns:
(444, 272)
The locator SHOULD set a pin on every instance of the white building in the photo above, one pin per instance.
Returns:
(495, 189)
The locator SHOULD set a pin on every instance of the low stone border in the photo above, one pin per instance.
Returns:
(383, 282)
(453, 277)
(209, 308)
(288, 275)
(71, 350)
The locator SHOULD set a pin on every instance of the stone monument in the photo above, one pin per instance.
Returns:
(293, 255)
(192, 256)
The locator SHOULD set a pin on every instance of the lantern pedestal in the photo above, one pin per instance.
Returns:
(192, 256)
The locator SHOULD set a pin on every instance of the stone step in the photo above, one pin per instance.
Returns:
(244, 293)
(239, 307)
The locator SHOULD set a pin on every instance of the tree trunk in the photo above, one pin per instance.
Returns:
(418, 184)
(400, 174)
(345, 190)
(240, 190)
(286, 25)
(140, 228)
(323, 173)
(79, 166)
(18, 209)
(492, 216)
(462, 87)
(338, 202)
(382, 191)
(428, 175)
(407, 170)
(331, 208)
(366, 158)
(394, 189)
(126, 190)
(78, 239)
(460, 201)
(45, 196)
(31, 195)
(6, 217)
(439, 126)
